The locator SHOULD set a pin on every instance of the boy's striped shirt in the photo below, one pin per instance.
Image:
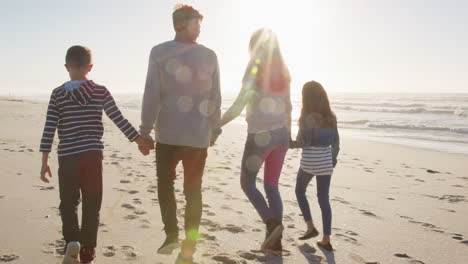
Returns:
(77, 115)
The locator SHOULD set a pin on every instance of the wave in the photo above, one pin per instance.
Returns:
(418, 110)
(414, 127)
(377, 104)
(355, 122)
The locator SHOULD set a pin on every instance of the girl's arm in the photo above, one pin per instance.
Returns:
(335, 147)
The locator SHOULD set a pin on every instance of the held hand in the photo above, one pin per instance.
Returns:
(144, 145)
(45, 170)
(144, 150)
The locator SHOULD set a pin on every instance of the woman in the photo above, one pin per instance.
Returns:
(265, 92)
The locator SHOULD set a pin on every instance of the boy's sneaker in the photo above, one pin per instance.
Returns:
(169, 245)
(274, 231)
(87, 255)
(71, 253)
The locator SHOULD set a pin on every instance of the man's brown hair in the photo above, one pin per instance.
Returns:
(78, 56)
(182, 14)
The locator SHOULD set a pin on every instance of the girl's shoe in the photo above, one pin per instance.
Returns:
(327, 246)
(71, 253)
(310, 234)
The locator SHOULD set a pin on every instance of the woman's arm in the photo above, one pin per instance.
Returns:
(239, 104)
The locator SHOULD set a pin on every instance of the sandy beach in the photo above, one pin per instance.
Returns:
(391, 204)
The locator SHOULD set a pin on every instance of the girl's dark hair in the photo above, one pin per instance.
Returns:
(316, 106)
(267, 63)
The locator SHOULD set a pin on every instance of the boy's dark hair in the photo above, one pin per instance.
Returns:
(78, 56)
(182, 14)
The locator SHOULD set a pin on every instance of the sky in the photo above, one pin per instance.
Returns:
(371, 46)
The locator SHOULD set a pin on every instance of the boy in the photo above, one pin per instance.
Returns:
(75, 110)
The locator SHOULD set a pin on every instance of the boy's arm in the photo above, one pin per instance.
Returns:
(215, 104)
(45, 169)
(151, 97)
(50, 125)
(48, 136)
(113, 112)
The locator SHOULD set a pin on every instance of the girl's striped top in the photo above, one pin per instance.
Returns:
(317, 160)
(77, 115)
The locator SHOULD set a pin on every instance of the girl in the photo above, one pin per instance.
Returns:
(265, 92)
(318, 137)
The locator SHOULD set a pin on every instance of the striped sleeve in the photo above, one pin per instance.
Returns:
(113, 112)
(50, 125)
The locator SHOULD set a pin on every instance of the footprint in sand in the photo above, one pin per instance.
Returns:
(140, 212)
(109, 251)
(45, 188)
(368, 213)
(226, 259)
(233, 229)
(457, 236)
(340, 200)
(247, 255)
(56, 248)
(128, 206)
(129, 252)
(8, 257)
(131, 217)
(414, 261)
(401, 255)
(347, 238)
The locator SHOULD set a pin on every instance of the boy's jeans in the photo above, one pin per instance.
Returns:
(80, 172)
(193, 161)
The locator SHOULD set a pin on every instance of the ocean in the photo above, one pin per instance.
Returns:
(429, 121)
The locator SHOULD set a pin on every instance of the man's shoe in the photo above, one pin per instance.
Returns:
(87, 255)
(169, 245)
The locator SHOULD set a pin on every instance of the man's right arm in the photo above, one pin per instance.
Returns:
(151, 97)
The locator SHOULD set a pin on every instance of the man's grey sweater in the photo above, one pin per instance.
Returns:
(182, 98)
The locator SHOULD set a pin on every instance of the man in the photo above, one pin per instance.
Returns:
(182, 101)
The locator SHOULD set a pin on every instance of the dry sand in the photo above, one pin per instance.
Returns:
(391, 204)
